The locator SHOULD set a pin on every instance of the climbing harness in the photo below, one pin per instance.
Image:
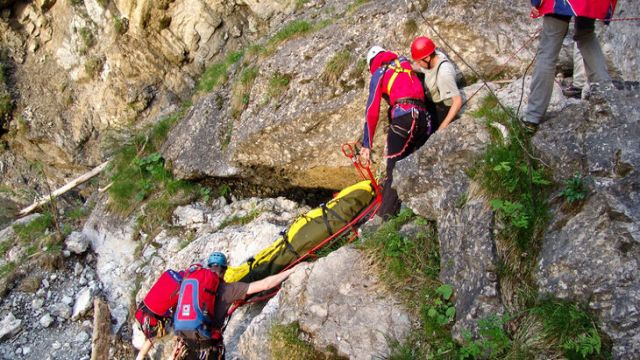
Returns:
(397, 69)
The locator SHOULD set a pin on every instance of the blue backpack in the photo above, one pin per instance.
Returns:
(194, 314)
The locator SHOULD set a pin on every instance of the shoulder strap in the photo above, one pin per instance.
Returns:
(438, 69)
(397, 69)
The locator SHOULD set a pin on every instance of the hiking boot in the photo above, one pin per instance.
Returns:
(529, 127)
(596, 92)
(572, 92)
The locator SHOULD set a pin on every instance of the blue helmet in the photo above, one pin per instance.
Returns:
(217, 258)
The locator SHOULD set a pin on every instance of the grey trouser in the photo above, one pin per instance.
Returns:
(553, 31)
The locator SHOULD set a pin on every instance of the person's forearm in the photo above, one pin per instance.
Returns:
(453, 111)
(268, 282)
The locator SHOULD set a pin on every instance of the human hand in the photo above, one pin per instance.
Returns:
(535, 13)
(365, 156)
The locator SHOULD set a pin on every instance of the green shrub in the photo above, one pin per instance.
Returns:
(574, 189)
(492, 343)
(516, 185)
(570, 326)
(410, 266)
(138, 173)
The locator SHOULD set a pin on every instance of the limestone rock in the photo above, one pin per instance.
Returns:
(432, 181)
(591, 254)
(9, 326)
(46, 320)
(111, 239)
(355, 316)
(77, 242)
(83, 303)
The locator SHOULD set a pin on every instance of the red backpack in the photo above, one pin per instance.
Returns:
(158, 305)
(194, 314)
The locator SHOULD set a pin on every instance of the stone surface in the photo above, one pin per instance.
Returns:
(112, 240)
(83, 303)
(9, 326)
(590, 254)
(77, 242)
(355, 316)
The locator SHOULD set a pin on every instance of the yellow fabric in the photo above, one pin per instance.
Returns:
(396, 70)
(235, 273)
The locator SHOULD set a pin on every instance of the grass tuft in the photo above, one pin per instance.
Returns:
(216, 74)
(408, 262)
(571, 327)
(516, 185)
(241, 220)
(285, 343)
(337, 65)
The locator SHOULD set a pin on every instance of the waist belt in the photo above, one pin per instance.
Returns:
(410, 101)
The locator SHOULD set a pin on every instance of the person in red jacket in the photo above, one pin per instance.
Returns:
(557, 15)
(409, 124)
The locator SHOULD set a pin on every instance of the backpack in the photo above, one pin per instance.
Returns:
(155, 311)
(195, 310)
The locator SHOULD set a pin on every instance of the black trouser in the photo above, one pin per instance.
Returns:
(438, 112)
(401, 142)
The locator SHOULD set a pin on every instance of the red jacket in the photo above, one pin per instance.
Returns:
(594, 9)
(405, 85)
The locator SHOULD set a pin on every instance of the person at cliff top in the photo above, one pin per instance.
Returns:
(394, 80)
(555, 24)
(440, 80)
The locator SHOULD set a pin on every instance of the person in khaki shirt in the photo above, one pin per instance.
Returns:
(439, 80)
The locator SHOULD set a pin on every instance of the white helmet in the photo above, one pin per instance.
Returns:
(375, 50)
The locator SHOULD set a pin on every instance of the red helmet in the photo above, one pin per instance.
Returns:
(422, 47)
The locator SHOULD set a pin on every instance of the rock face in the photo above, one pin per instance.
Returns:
(591, 253)
(433, 183)
(353, 315)
(135, 61)
(112, 241)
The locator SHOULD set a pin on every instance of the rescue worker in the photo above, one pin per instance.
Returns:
(393, 79)
(555, 24)
(444, 100)
(226, 295)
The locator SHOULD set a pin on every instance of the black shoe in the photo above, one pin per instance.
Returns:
(572, 92)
